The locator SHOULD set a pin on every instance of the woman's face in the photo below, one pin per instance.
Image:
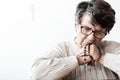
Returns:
(88, 32)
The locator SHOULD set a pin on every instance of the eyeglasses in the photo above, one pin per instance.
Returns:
(87, 31)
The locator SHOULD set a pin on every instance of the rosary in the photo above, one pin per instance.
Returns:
(92, 62)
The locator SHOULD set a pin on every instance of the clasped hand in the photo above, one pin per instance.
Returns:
(89, 54)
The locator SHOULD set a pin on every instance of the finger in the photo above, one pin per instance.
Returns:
(81, 52)
(88, 49)
(83, 59)
(94, 52)
(86, 59)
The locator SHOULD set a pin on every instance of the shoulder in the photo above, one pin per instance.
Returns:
(60, 49)
(111, 46)
(64, 44)
(110, 43)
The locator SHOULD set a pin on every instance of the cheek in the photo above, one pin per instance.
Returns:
(82, 37)
(98, 41)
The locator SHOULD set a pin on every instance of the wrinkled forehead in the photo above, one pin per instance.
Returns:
(87, 21)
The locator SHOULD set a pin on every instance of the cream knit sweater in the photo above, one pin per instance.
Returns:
(61, 64)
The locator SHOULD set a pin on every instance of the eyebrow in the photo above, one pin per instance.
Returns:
(96, 30)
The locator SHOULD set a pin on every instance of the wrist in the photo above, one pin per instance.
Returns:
(101, 59)
(77, 57)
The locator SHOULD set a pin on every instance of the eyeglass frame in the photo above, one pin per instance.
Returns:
(95, 33)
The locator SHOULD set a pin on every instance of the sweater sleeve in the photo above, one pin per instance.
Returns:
(111, 58)
(55, 66)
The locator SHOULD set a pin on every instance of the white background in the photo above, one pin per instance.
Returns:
(30, 27)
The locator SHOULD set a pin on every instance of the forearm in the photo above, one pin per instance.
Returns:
(55, 68)
(111, 61)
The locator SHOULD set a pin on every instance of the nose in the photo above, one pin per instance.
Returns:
(91, 38)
